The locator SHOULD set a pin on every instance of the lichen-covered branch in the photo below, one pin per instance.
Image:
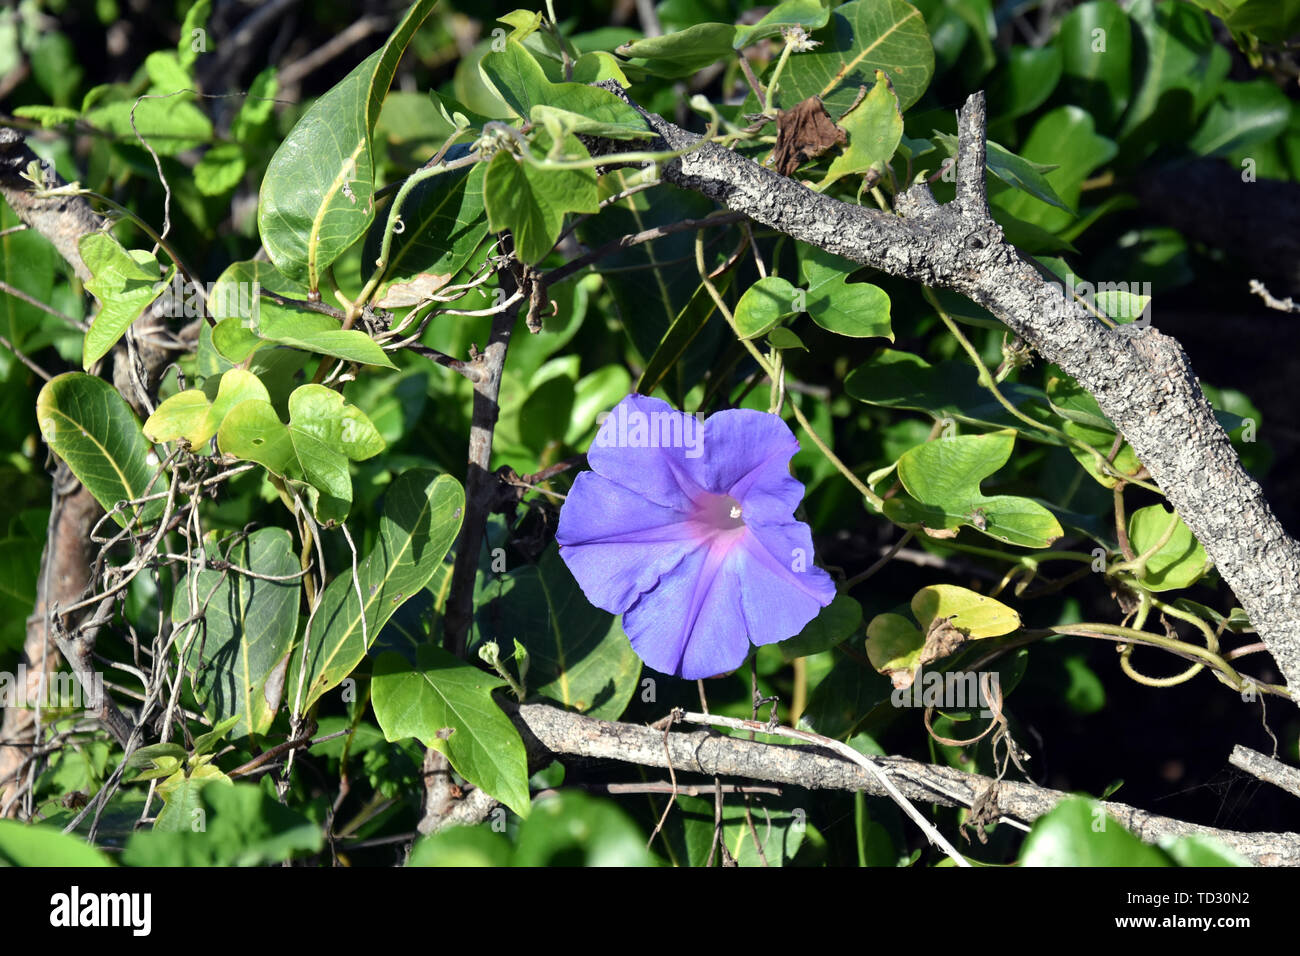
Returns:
(1140, 377)
(550, 732)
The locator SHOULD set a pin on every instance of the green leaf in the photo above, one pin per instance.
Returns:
(1102, 440)
(206, 743)
(676, 55)
(24, 844)
(181, 795)
(516, 76)
(531, 200)
(574, 829)
(1179, 562)
(447, 704)
(598, 66)
(152, 756)
(318, 194)
(253, 431)
(1095, 45)
(1078, 832)
(862, 36)
(592, 394)
(1243, 114)
(832, 625)
(242, 826)
(191, 416)
(567, 107)
(1198, 850)
(180, 416)
(257, 108)
(949, 390)
(545, 414)
(764, 304)
(1073, 402)
(49, 116)
(236, 293)
(1025, 81)
(238, 647)
(649, 287)
(247, 318)
(422, 513)
(1067, 137)
(166, 75)
(20, 562)
(171, 125)
(1013, 170)
(27, 264)
(683, 331)
(220, 170)
(322, 434)
(894, 646)
(845, 696)
(192, 32)
(944, 476)
(1272, 21)
(783, 338)
(462, 846)
(318, 333)
(854, 309)
(89, 425)
(809, 14)
(125, 283)
(970, 612)
(1184, 68)
(875, 128)
(579, 655)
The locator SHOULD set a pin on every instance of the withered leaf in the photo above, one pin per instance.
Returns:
(804, 133)
(941, 640)
(419, 289)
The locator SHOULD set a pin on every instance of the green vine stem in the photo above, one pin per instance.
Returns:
(1139, 564)
(986, 380)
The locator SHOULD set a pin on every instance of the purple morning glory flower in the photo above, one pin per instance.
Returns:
(686, 528)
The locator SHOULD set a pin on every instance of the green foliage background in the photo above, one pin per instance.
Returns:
(894, 379)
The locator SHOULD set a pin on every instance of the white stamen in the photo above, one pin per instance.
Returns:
(735, 511)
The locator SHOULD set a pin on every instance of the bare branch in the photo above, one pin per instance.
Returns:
(550, 732)
(1141, 378)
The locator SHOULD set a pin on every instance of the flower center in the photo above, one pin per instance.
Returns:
(719, 512)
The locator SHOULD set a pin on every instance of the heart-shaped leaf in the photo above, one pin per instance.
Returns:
(569, 107)
(1179, 562)
(943, 479)
(764, 304)
(855, 309)
(322, 434)
(125, 283)
(531, 200)
(447, 704)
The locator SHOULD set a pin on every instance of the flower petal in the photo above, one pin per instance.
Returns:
(783, 590)
(644, 445)
(616, 543)
(692, 625)
(745, 451)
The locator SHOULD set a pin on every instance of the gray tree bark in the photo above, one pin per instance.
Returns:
(1141, 378)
